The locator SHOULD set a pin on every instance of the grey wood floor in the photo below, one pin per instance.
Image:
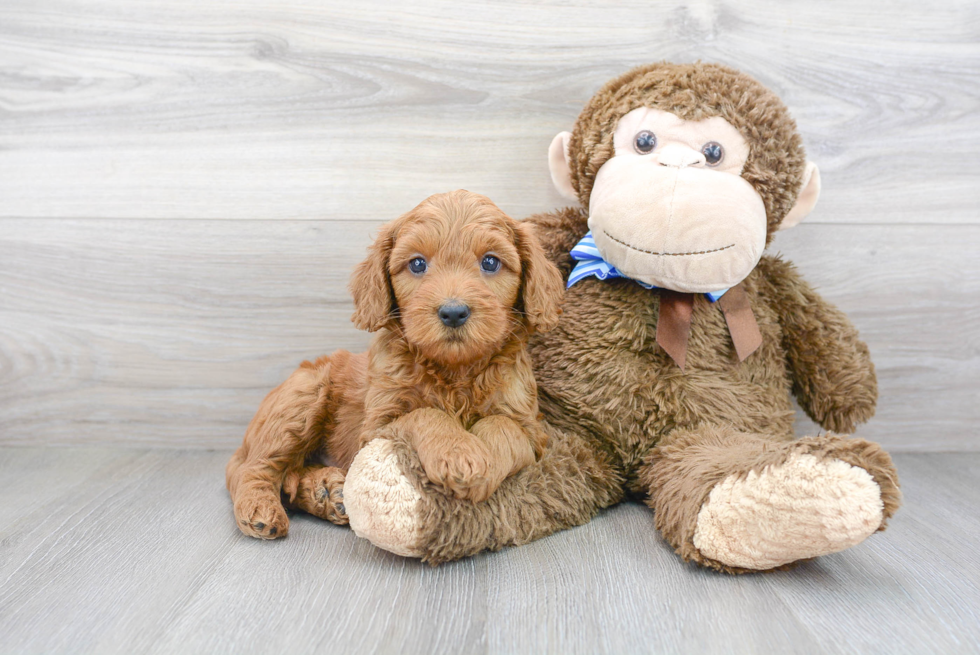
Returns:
(111, 550)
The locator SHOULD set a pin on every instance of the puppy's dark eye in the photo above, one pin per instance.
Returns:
(645, 142)
(490, 264)
(713, 153)
(418, 265)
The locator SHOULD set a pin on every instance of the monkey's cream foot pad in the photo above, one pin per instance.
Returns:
(803, 508)
(382, 504)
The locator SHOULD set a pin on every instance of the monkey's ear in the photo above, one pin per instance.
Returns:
(542, 288)
(561, 173)
(374, 298)
(807, 199)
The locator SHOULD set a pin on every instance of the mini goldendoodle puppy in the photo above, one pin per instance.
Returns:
(453, 289)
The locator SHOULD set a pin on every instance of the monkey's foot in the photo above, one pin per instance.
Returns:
(802, 508)
(382, 504)
(740, 502)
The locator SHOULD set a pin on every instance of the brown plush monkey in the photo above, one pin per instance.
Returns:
(671, 372)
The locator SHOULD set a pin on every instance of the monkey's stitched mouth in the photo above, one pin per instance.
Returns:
(667, 254)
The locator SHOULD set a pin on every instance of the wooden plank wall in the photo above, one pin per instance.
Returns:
(185, 186)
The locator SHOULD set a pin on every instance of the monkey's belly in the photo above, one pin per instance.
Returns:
(631, 398)
(604, 372)
(629, 420)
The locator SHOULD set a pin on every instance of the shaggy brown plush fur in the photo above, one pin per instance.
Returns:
(463, 397)
(622, 415)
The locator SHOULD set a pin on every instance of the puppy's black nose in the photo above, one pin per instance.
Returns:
(454, 314)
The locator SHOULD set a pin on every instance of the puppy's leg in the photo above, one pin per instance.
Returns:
(318, 490)
(506, 449)
(254, 489)
(453, 458)
(288, 426)
(511, 446)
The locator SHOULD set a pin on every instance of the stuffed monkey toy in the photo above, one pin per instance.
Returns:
(669, 377)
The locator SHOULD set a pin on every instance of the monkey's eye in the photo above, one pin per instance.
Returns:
(418, 265)
(645, 142)
(713, 153)
(490, 264)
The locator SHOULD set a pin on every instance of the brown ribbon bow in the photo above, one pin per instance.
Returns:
(674, 323)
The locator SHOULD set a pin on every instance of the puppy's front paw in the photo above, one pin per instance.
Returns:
(463, 468)
(261, 515)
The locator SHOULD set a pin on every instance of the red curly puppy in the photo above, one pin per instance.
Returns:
(453, 288)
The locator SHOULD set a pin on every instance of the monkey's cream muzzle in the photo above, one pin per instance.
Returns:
(681, 227)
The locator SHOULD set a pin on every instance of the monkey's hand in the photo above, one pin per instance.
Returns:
(833, 377)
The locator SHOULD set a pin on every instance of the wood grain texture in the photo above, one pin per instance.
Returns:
(255, 109)
(136, 551)
(169, 333)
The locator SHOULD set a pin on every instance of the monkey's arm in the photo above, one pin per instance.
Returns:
(833, 377)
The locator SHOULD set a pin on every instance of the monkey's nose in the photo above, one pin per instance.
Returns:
(679, 156)
(454, 314)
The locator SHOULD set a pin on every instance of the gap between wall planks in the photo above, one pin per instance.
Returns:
(169, 333)
(206, 109)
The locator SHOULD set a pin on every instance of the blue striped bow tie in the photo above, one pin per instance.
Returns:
(590, 263)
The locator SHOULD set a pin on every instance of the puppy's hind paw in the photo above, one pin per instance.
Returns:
(326, 493)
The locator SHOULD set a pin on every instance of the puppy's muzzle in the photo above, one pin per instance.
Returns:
(454, 314)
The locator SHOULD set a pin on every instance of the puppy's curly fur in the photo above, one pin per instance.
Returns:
(464, 396)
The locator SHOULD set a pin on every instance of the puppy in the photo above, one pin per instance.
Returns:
(453, 289)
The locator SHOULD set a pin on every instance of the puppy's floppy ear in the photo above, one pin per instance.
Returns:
(542, 290)
(374, 297)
